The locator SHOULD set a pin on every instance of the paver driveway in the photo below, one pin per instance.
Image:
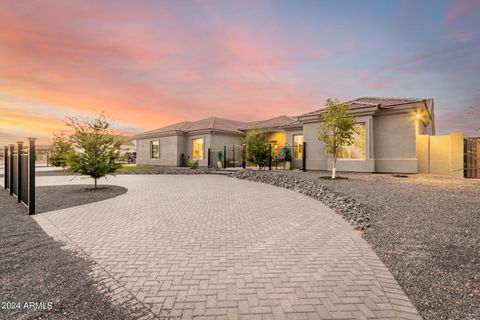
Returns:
(210, 246)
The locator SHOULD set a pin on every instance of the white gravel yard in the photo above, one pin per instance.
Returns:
(426, 229)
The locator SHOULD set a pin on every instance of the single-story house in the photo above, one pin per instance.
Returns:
(183, 142)
(386, 139)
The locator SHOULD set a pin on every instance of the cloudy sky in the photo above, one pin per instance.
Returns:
(152, 63)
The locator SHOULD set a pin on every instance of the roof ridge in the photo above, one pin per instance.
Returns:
(212, 123)
(390, 98)
(360, 102)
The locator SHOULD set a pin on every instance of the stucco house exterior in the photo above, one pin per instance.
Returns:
(386, 140)
(165, 146)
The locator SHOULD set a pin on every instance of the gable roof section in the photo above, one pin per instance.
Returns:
(212, 124)
(164, 131)
(215, 124)
(269, 123)
(372, 102)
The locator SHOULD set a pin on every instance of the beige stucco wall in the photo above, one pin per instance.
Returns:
(172, 147)
(317, 158)
(168, 151)
(395, 143)
(220, 140)
(441, 154)
(423, 153)
(446, 154)
(289, 135)
(182, 149)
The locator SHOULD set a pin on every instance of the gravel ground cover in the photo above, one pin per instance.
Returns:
(35, 268)
(60, 197)
(425, 229)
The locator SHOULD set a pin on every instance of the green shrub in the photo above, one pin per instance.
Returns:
(193, 165)
(257, 150)
(286, 154)
(61, 147)
(95, 152)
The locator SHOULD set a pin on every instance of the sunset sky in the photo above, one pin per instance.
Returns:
(151, 63)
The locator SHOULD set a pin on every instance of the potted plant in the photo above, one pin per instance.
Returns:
(287, 157)
(219, 158)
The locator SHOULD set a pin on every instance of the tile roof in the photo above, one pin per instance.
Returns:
(380, 102)
(269, 123)
(185, 127)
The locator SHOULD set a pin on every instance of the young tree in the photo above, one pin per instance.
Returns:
(96, 151)
(61, 147)
(257, 149)
(336, 130)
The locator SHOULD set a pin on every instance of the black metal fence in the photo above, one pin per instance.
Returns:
(281, 157)
(287, 157)
(19, 176)
(227, 157)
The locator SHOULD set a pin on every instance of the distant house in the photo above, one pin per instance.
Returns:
(386, 140)
(187, 141)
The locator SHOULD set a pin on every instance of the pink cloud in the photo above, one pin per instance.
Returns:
(459, 9)
(90, 56)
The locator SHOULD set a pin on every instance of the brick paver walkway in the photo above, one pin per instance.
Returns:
(215, 247)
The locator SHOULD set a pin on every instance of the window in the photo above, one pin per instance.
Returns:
(357, 150)
(154, 149)
(197, 149)
(298, 147)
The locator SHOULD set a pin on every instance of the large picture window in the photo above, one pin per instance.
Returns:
(197, 149)
(154, 149)
(298, 146)
(357, 150)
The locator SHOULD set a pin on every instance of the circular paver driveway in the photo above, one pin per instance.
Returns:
(192, 246)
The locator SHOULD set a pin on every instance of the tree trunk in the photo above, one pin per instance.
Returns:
(95, 182)
(333, 169)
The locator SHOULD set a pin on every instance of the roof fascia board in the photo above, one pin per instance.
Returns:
(357, 112)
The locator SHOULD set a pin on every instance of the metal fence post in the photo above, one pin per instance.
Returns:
(209, 160)
(304, 156)
(19, 171)
(225, 157)
(31, 175)
(5, 167)
(244, 156)
(270, 157)
(10, 174)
